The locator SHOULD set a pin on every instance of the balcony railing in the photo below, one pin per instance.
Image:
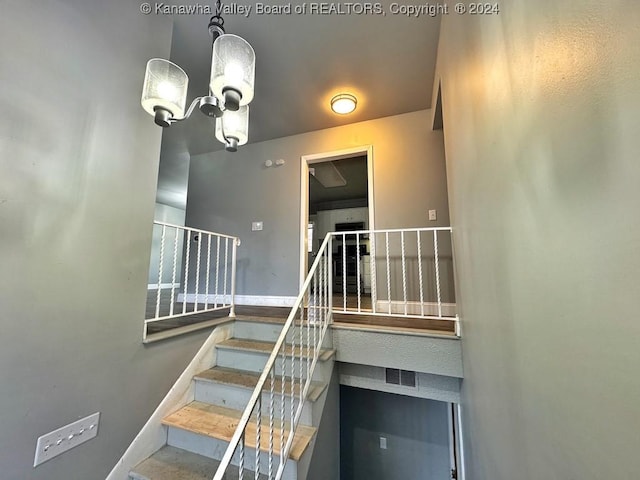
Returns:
(400, 273)
(191, 272)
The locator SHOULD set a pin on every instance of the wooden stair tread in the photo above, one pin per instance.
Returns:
(246, 379)
(221, 423)
(267, 347)
(171, 463)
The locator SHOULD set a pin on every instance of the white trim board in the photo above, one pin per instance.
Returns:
(253, 300)
(305, 161)
(413, 308)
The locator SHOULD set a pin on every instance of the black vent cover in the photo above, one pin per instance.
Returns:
(406, 378)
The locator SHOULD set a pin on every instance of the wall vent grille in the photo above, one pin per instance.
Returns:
(395, 376)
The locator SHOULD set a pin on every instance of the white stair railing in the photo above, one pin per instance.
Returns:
(269, 428)
(399, 272)
(195, 270)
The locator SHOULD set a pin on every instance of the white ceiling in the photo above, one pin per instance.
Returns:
(388, 61)
(352, 193)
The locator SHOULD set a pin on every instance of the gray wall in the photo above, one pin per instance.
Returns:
(229, 190)
(542, 137)
(79, 160)
(416, 430)
(325, 462)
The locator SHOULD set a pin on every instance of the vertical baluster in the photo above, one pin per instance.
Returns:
(317, 302)
(309, 317)
(300, 331)
(174, 272)
(206, 288)
(292, 396)
(437, 261)
(386, 234)
(404, 273)
(271, 389)
(160, 268)
(320, 299)
(374, 279)
(327, 290)
(198, 257)
(358, 276)
(241, 460)
(344, 272)
(186, 271)
(420, 272)
(258, 429)
(282, 382)
(226, 269)
(234, 256)
(215, 305)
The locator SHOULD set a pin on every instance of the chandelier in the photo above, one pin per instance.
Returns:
(231, 86)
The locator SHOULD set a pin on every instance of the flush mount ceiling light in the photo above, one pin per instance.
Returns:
(231, 86)
(344, 103)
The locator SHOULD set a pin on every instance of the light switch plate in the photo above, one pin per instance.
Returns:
(432, 215)
(65, 438)
(383, 443)
(256, 226)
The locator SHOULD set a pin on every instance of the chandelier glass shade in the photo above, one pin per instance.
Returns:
(165, 87)
(233, 66)
(232, 128)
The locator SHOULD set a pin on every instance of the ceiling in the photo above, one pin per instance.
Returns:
(352, 194)
(387, 61)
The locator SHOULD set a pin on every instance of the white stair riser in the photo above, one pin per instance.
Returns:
(255, 361)
(269, 332)
(232, 396)
(214, 448)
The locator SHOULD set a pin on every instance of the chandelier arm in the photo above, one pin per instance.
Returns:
(192, 107)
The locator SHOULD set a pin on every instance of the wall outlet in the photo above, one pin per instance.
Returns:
(432, 215)
(383, 443)
(65, 438)
(256, 226)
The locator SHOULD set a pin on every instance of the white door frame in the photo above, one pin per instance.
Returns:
(305, 161)
(456, 452)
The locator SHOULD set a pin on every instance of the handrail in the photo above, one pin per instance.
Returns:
(268, 374)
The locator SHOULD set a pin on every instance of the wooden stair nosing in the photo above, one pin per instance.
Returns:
(221, 422)
(247, 379)
(267, 347)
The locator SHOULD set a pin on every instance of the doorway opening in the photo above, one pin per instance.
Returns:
(389, 435)
(336, 193)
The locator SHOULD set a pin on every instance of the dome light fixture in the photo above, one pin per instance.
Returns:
(231, 87)
(344, 103)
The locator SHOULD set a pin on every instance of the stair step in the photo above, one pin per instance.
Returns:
(171, 463)
(220, 423)
(247, 379)
(267, 347)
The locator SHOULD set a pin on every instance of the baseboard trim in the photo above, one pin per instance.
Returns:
(413, 308)
(252, 300)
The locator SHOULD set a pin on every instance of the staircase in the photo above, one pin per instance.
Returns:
(199, 432)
